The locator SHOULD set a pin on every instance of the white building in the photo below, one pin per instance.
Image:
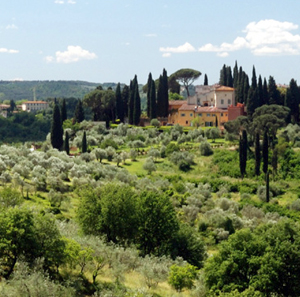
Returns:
(34, 105)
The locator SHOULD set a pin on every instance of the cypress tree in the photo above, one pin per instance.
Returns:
(79, 112)
(223, 77)
(131, 101)
(119, 104)
(160, 98)
(275, 161)
(254, 80)
(265, 152)
(165, 93)
(205, 80)
(125, 98)
(63, 111)
(152, 95)
(229, 79)
(252, 101)
(245, 87)
(66, 144)
(257, 155)
(235, 75)
(274, 95)
(260, 92)
(265, 92)
(136, 104)
(292, 100)
(243, 152)
(267, 187)
(84, 143)
(216, 123)
(149, 82)
(56, 129)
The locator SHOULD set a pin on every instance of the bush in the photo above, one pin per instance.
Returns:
(205, 149)
(155, 123)
(261, 193)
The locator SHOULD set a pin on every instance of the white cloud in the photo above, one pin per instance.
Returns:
(185, 48)
(71, 55)
(8, 51)
(266, 37)
(59, 2)
(63, 2)
(223, 55)
(71, 2)
(11, 27)
(166, 55)
(151, 35)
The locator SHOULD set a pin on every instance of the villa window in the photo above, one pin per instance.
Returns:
(221, 114)
(183, 114)
(229, 101)
(222, 101)
(191, 114)
(199, 114)
(208, 114)
(213, 115)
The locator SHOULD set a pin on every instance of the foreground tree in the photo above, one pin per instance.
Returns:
(56, 129)
(243, 153)
(119, 104)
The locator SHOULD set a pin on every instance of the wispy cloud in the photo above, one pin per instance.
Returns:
(185, 48)
(63, 2)
(71, 55)
(8, 51)
(151, 35)
(266, 37)
(11, 27)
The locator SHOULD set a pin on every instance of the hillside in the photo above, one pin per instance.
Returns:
(19, 90)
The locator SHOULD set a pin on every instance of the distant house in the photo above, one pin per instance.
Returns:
(208, 107)
(34, 105)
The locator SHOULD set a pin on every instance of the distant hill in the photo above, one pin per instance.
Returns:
(19, 90)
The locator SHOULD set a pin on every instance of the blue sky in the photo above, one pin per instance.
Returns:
(111, 41)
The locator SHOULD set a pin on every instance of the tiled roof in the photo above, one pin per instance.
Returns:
(224, 88)
(177, 102)
(198, 109)
(32, 102)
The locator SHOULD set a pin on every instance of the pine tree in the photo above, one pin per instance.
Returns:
(66, 144)
(119, 104)
(79, 112)
(265, 152)
(257, 155)
(84, 143)
(149, 82)
(152, 95)
(243, 153)
(63, 111)
(56, 129)
(205, 80)
(125, 98)
(165, 93)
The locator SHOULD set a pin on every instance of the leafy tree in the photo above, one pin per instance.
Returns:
(56, 129)
(79, 112)
(157, 223)
(181, 277)
(84, 143)
(186, 76)
(149, 165)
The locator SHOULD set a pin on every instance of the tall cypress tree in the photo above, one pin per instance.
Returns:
(243, 153)
(260, 92)
(265, 152)
(84, 143)
(79, 112)
(265, 92)
(165, 93)
(245, 87)
(131, 101)
(257, 155)
(235, 75)
(136, 104)
(56, 129)
(274, 95)
(160, 98)
(152, 95)
(292, 100)
(205, 80)
(229, 79)
(254, 80)
(119, 104)
(63, 111)
(125, 98)
(66, 144)
(149, 82)
(223, 76)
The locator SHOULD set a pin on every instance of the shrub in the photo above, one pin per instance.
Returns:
(261, 193)
(205, 149)
(155, 123)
